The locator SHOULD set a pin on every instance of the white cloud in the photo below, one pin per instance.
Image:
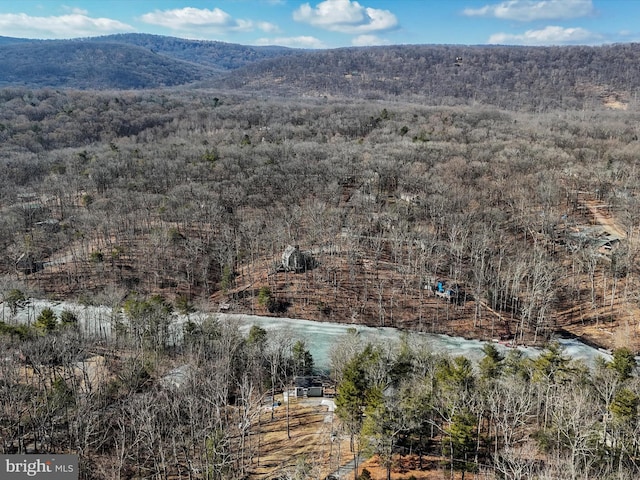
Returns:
(267, 27)
(293, 42)
(63, 26)
(189, 19)
(79, 11)
(346, 16)
(530, 10)
(368, 40)
(551, 35)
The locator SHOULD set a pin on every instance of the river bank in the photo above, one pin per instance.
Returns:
(320, 337)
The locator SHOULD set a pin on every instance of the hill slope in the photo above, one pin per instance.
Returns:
(216, 55)
(87, 65)
(515, 78)
(195, 197)
(530, 78)
(121, 61)
(13, 40)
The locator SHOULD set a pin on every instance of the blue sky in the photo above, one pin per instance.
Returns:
(333, 23)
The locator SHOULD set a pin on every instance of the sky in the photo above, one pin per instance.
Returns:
(332, 23)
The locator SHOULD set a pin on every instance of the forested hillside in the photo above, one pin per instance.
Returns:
(91, 66)
(219, 55)
(514, 78)
(492, 196)
(127, 61)
(196, 195)
(8, 40)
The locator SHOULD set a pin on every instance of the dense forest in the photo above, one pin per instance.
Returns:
(195, 195)
(514, 78)
(300, 192)
(522, 78)
(126, 61)
(84, 65)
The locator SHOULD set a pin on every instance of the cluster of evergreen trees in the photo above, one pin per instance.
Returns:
(507, 416)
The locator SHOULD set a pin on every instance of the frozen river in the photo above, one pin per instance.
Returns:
(321, 336)
(318, 336)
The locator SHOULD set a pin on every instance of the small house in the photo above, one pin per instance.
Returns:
(27, 264)
(315, 392)
(294, 260)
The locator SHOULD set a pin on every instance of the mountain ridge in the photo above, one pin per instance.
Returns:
(513, 78)
(91, 66)
(509, 77)
(125, 61)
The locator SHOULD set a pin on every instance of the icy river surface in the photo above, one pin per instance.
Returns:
(319, 337)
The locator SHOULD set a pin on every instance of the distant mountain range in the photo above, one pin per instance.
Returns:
(11, 40)
(128, 61)
(531, 78)
(217, 55)
(520, 78)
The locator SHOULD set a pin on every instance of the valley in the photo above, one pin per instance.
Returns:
(496, 199)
